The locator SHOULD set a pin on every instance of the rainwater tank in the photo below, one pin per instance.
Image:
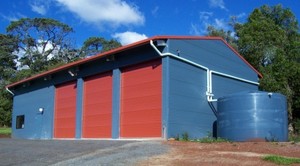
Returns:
(253, 116)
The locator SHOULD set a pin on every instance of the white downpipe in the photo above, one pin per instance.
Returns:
(209, 73)
(9, 91)
(182, 59)
(233, 77)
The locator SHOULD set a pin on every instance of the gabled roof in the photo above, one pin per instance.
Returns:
(124, 48)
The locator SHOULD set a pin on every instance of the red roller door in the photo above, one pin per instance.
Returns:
(97, 106)
(65, 110)
(141, 100)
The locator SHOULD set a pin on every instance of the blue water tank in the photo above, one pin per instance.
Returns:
(250, 116)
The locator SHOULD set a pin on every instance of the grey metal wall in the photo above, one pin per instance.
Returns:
(188, 108)
(189, 111)
(214, 54)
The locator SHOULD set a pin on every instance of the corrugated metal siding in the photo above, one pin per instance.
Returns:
(189, 111)
(223, 86)
(97, 106)
(141, 102)
(65, 110)
(213, 54)
(37, 125)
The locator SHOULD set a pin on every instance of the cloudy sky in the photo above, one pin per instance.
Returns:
(132, 20)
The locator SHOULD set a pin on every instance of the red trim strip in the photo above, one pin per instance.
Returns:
(123, 48)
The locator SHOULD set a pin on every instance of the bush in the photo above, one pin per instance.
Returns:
(294, 138)
(296, 124)
(185, 136)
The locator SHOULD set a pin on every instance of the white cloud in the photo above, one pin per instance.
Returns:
(9, 18)
(129, 37)
(241, 15)
(155, 10)
(205, 15)
(220, 24)
(39, 6)
(217, 4)
(206, 19)
(13, 16)
(38, 9)
(195, 30)
(113, 13)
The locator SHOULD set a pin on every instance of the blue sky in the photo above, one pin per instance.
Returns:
(132, 20)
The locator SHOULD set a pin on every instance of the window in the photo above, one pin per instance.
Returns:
(20, 122)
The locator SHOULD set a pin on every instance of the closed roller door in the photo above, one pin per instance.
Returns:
(65, 110)
(141, 100)
(97, 107)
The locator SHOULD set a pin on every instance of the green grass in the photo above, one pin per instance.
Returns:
(210, 140)
(5, 131)
(281, 160)
(294, 138)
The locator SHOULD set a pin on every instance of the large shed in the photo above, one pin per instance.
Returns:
(159, 87)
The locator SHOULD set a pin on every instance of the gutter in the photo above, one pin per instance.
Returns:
(9, 91)
(209, 90)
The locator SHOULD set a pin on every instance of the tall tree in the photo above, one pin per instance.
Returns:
(40, 40)
(8, 45)
(270, 41)
(95, 45)
(7, 70)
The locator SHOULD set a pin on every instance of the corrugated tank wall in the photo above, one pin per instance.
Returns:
(253, 115)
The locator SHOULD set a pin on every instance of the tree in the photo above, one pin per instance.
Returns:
(95, 45)
(270, 41)
(7, 58)
(7, 70)
(40, 40)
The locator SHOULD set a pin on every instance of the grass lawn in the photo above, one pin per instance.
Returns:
(5, 131)
(282, 160)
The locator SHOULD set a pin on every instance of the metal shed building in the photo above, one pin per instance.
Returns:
(160, 87)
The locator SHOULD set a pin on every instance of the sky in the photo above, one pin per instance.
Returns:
(131, 20)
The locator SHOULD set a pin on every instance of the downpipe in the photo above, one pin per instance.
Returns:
(209, 90)
(9, 91)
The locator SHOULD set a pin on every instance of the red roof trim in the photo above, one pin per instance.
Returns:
(123, 48)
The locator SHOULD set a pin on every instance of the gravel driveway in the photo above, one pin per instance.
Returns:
(77, 152)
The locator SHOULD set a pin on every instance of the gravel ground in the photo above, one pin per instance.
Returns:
(77, 152)
(225, 154)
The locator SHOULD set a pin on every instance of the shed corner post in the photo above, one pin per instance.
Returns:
(165, 96)
(79, 103)
(116, 103)
(52, 113)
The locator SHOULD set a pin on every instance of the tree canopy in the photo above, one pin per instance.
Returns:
(7, 58)
(7, 70)
(40, 40)
(270, 41)
(95, 45)
(34, 45)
